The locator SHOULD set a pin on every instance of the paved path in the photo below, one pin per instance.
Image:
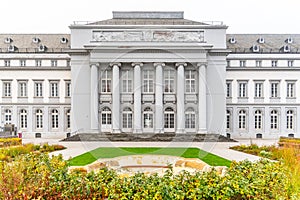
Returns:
(218, 148)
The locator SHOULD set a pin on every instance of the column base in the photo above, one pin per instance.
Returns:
(178, 131)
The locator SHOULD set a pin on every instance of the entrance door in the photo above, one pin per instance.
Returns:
(169, 120)
(106, 120)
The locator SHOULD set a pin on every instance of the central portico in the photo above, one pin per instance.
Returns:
(148, 72)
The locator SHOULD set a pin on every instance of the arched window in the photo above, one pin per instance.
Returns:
(242, 119)
(7, 116)
(148, 117)
(190, 118)
(274, 119)
(68, 118)
(169, 118)
(228, 119)
(127, 118)
(258, 119)
(54, 118)
(290, 119)
(23, 118)
(39, 119)
(106, 116)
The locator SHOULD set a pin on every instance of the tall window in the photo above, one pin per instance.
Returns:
(258, 90)
(6, 63)
(274, 119)
(290, 119)
(38, 89)
(290, 90)
(148, 118)
(53, 63)
(106, 116)
(22, 63)
(7, 116)
(23, 118)
(258, 63)
(127, 81)
(39, 119)
(274, 89)
(242, 89)
(228, 119)
(169, 118)
(274, 63)
(53, 89)
(127, 118)
(169, 79)
(7, 89)
(258, 119)
(54, 118)
(290, 63)
(242, 119)
(68, 89)
(68, 119)
(22, 89)
(242, 63)
(190, 81)
(190, 118)
(106, 81)
(148, 81)
(228, 89)
(38, 63)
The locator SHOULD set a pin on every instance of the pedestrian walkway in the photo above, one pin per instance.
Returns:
(218, 148)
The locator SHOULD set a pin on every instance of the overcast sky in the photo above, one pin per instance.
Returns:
(242, 16)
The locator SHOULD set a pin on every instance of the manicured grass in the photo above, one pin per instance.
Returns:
(111, 152)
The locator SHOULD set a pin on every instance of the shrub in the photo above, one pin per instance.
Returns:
(5, 142)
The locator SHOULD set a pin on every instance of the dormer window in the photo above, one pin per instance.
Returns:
(8, 40)
(11, 48)
(42, 48)
(63, 40)
(289, 40)
(255, 48)
(261, 40)
(286, 48)
(232, 40)
(35, 40)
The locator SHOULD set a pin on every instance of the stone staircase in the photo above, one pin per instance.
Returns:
(148, 137)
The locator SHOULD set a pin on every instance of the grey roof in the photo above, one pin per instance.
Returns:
(273, 43)
(27, 43)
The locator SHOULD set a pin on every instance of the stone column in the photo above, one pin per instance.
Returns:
(180, 97)
(159, 119)
(137, 106)
(202, 98)
(116, 98)
(94, 97)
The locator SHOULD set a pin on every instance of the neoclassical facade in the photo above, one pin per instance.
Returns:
(150, 72)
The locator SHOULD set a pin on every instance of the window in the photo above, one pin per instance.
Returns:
(68, 118)
(274, 63)
(38, 89)
(53, 63)
(22, 89)
(242, 63)
(242, 119)
(38, 63)
(23, 118)
(148, 118)
(290, 63)
(169, 79)
(274, 89)
(6, 63)
(290, 90)
(106, 81)
(68, 89)
(7, 89)
(127, 81)
(54, 119)
(127, 118)
(228, 63)
(228, 90)
(106, 116)
(242, 89)
(190, 118)
(190, 81)
(39, 119)
(169, 118)
(7, 116)
(290, 119)
(258, 119)
(22, 63)
(148, 81)
(54, 89)
(228, 119)
(258, 63)
(274, 119)
(258, 90)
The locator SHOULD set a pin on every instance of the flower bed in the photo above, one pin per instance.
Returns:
(5, 142)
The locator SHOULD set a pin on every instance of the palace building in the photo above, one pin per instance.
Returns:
(150, 72)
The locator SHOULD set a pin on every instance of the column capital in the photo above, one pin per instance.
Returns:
(202, 64)
(181, 63)
(115, 63)
(159, 64)
(137, 63)
(95, 64)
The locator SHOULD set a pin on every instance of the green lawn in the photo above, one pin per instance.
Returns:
(111, 152)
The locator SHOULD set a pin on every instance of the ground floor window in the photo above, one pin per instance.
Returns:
(228, 120)
(148, 118)
(106, 116)
(274, 119)
(258, 119)
(54, 118)
(290, 119)
(242, 119)
(39, 119)
(169, 118)
(68, 119)
(23, 118)
(7, 116)
(190, 118)
(127, 118)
